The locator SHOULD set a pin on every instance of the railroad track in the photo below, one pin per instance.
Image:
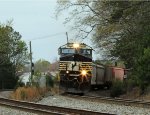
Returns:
(120, 101)
(6, 90)
(45, 109)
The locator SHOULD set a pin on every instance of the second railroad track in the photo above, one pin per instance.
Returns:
(119, 101)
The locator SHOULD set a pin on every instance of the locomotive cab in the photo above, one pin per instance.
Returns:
(71, 48)
(75, 66)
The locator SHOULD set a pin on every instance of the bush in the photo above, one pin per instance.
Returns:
(142, 69)
(49, 81)
(29, 93)
(147, 91)
(117, 88)
(131, 83)
(19, 84)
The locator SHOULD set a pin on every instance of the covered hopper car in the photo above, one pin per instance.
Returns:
(103, 76)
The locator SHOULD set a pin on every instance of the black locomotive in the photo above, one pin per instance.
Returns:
(75, 67)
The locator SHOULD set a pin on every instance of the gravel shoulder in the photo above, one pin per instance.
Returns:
(68, 102)
(9, 111)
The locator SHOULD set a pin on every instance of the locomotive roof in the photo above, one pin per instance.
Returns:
(70, 45)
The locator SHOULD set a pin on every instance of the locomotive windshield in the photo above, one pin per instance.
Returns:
(67, 51)
(85, 51)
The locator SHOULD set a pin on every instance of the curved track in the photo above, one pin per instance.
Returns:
(45, 109)
(121, 101)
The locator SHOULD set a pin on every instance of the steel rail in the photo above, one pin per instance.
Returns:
(1, 90)
(126, 102)
(45, 109)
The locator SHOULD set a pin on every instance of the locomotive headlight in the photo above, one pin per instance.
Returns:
(67, 71)
(83, 72)
(75, 45)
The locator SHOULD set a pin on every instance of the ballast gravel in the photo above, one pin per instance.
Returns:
(9, 111)
(68, 102)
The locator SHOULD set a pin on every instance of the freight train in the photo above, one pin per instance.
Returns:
(103, 76)
(78, 73)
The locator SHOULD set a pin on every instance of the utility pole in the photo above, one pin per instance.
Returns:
(67, 37)
(31, 62)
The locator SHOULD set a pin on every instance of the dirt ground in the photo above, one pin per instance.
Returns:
(135, 94)
(100, 92)
(5, 94)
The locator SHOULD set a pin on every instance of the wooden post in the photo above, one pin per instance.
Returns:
(67, 37)
(31, 63)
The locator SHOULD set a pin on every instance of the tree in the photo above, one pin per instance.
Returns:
(42, 65)
(82, 13)
(142, 70)
(112, 24)
(13, 53)
(54, 66)
(94, 17)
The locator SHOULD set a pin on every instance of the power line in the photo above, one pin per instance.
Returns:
(46, 37)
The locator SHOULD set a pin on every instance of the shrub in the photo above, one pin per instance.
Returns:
(49, 81)
(55, 90)
(19, 84)
(28, 93)
(147, 90)
(131, 83)
(142, 69)
(117, 88)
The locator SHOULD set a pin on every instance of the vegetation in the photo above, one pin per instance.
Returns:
(120, 31)
(29, 93)
(117, 88)
(54, 66)
(49, 81)
(41, 65)
(13, 55)
(36, 92)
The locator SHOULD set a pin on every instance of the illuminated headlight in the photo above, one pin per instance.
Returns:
(83, 72)
(75, 45)
(67, 71)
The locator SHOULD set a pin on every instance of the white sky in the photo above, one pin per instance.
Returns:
(35, 19)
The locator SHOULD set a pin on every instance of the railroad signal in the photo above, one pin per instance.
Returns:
(32, 68)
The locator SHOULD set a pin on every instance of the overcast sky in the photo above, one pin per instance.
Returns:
(35, 19)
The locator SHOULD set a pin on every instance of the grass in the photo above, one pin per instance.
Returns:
(33, 93)
(29, 93)
(55, 90)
